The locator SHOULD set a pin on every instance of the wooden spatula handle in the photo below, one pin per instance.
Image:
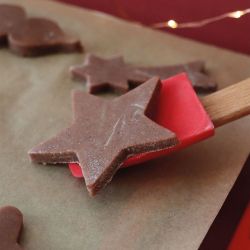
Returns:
(228, 104)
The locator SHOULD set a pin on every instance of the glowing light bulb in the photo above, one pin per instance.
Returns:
(237, 14)
(172, 24)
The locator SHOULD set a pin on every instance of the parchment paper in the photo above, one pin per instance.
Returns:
(164, 204)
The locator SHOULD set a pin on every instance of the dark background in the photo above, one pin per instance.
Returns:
(230, 33)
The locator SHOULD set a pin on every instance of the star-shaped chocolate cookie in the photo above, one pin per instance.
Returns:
(195, 71)
(11, 221)
(115, 74)
(106, 132)
(102, 73)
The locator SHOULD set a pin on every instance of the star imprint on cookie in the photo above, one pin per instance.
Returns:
(115, 74)
(11, 221)
(106, 132)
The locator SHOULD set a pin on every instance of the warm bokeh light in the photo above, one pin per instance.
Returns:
(237, 14)
(172, 24)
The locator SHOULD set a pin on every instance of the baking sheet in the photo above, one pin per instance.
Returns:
(164, 204)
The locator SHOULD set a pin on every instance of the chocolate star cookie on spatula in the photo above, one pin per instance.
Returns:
(11, 221)
(114, 73)
(106, 132)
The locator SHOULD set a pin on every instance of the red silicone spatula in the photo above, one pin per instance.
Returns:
(180, 110)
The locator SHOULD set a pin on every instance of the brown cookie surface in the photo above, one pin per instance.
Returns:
(10, 17)
(33, 36)
(105, 132)
(102, 73)
(114, 73)
(195, 71)
(39, 36)
(11, 221)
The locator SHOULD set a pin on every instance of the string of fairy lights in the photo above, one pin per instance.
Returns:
(175, 25)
